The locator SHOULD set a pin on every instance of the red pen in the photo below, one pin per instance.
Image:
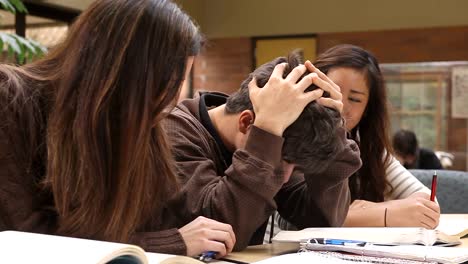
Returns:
(434, 186)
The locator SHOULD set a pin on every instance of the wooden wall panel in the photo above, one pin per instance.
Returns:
(408, 45)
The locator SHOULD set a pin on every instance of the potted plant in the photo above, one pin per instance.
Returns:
(24, 49)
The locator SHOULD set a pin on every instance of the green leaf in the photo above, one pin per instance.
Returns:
(11, 42)
(19, 6)
(29, 49)
(13, 6)
(31, 56)
(24, 49)
(34, 49)
(8, 6)
(11, 52)
(25, 42)
(20, 57)
(16, 45)
(39, 48)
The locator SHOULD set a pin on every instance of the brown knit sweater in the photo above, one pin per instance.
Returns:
(24, 206)
(248, 191)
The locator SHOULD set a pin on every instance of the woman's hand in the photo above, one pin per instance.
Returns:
(417, 210)
(204, 234)
(336, 99)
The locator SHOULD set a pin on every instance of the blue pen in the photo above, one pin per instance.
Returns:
(339, 242)
(207, 255)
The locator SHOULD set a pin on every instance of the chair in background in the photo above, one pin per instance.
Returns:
(452, 189)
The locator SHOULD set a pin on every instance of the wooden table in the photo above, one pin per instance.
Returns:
(261, 252)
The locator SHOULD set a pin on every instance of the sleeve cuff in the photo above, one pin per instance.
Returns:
(167, 241)
(265, 146)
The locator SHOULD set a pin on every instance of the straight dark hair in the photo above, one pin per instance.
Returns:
(371, 133)
(97, 100)
(405, 143)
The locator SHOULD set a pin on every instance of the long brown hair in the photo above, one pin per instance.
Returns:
(370, 181)
(106, 86)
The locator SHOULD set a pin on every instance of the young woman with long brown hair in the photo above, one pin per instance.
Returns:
(383, 192)
(82, 149)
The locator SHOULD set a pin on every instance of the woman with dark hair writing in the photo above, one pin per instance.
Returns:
(82, 150)
(383, 192)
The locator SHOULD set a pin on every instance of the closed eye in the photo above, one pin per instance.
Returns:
(356, 100)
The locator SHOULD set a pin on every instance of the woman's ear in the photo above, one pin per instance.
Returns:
(246, 119)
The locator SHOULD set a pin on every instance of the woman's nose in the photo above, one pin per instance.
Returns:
(346, 107)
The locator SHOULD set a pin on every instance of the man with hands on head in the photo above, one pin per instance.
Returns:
(276, 144)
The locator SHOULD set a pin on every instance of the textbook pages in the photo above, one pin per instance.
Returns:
(21, 247)
(374, 235)
(454, 224)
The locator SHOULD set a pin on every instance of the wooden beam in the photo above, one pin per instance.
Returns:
(20, 24)
(51, 11)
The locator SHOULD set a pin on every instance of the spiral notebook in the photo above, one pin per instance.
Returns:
(374, 235)
(333, 258)
(416, 253)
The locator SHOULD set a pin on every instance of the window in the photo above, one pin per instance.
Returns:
(419, 95)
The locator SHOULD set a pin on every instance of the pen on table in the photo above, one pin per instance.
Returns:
(434, 186)
(339, 242)
(207, 255)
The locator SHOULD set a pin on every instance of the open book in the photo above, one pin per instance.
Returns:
(21, 247)
(454, 224)
(373, 235)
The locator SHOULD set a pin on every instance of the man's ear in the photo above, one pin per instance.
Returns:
(246, 119)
